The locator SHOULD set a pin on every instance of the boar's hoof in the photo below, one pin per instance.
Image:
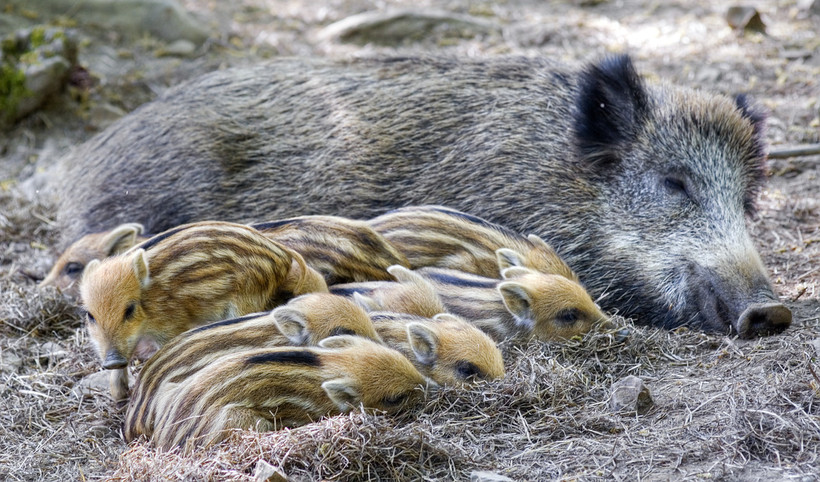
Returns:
(763, 319)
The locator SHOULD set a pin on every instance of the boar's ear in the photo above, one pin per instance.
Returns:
(403, 274)
(141, 268)
(519, 302)
(754, 114)
(423, 342)
(121, 238)
(759, 148)
(610, 106)
(292, 324)
(507, 258)
(343, 392)
(367, 303)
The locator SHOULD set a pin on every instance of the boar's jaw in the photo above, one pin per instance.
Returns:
(719, 305)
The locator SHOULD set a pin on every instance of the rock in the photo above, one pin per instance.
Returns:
(164, 19)
(10, 362)
(90, 385)
(101, 116)
(179, 48)
(484, 476)
(265, 472)
(34, 64)
(630, 395)
(394, 27)
(52, 353)
(745, 18)
(810, 6)
(816, 344)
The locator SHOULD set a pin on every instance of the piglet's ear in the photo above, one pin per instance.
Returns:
(367, 303)
(507, 258)
(403, 274)
(343, 392)
(121, 238)
(141, 268)
(423, 342)
(448, 317)
(292, 324)
(515, 272)
(540, 243)
(90, 268)
(611, 105)
(519, 302)
(341, 341)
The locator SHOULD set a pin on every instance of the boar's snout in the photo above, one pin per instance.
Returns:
(731, 303)
(114, 360)
(761, 319)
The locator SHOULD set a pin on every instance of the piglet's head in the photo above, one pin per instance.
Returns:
(112, 293)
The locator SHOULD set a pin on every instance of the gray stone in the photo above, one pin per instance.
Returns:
(630, 395)
(164, 19)
(745, 18)
(101, 116)
(810, 6)
(394, 27)
(10, 362)
(178, 48)
(816, 344)
(484, 476)
(44, 56)
(96, 383)
(52, 353)
(265, 472)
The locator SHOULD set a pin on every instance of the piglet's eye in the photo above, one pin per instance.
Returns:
(467, 370)
(394, 400)
(342, 331)
(129, 311)
(568, 317)
(73, 269)
(90, 317)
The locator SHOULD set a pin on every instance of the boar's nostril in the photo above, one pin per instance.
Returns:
(763, 319)
(114, 360)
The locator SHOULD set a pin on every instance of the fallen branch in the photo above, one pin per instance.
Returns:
(800, 151)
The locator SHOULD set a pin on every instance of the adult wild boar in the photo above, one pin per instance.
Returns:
(642, 188)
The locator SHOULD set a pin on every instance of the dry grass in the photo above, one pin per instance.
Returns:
(724, 408)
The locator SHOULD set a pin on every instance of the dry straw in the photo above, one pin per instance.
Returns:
(723, 407)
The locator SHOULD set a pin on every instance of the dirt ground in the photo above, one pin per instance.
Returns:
(724, 408)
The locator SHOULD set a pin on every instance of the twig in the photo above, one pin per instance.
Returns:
(800, 151)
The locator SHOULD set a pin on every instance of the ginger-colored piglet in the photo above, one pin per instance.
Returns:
(525, 304)
(411, 293)
(342, 250)
(185, 277)
(268, 389)
(445, 348)
(68, 269)
(305, 320)
(442, 237)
